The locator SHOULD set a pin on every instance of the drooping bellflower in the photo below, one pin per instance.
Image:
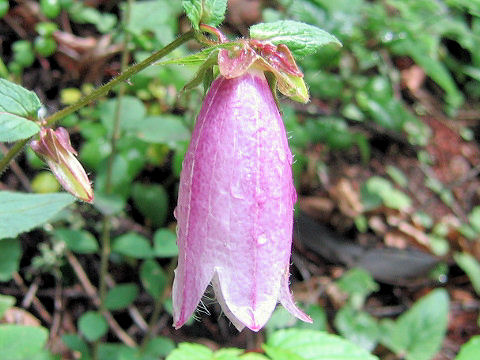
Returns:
(235, 204)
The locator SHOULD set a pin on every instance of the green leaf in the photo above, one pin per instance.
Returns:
(303, 344)
(397, 175)
(17, 100)
(253, 356)
(6, 302)
(10, 253)
(418, 333)
(23, 212)
(474, 218)
(302, 39)
(153, 278)
(159, 347)
(470, 350)
(79, 241)
(471, 267)
(132, 111)
(189, 351)
(282, 319)
(20, 342)
(152, 202)
(210, 12)
(164, 129)
(16, 105)
(13, 127)
(358, 326)
(357, 281)
(92, 325)
(165, 243)
(117, 351)
(133, 245)
(120, 296)
(76, 343)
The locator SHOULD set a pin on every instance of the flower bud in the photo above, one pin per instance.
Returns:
(55, 148)
(235, 206)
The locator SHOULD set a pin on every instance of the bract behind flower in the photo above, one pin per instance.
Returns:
(235, 206)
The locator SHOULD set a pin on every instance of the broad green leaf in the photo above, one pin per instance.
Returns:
(20, 342)
(6, 302)
(357, 326)
(117, 351)
(92, 325)
(152, 202)
(210, 12)
(132, 111)
(153, 278)
(120, 296)
(23, 212)
(189, 351)
(470, 350)
(165, 243)
(163, 129)
(79, 241)
(471, 267)
(418, 333)
(13, 127)
(159, 347)
(282, 319)
(10, 253)
(303, 344)
(302, 39)
(133, 245)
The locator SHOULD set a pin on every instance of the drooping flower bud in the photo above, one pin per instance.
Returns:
(55, 148)
(235, 206)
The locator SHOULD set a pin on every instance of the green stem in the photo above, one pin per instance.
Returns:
(100, 92)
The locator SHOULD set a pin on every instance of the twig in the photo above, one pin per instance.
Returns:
(58, 308)
(17, 170)
(38, 306)
(92, 293)
(31, 293)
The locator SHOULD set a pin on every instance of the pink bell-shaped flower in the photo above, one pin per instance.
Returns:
(235, 206)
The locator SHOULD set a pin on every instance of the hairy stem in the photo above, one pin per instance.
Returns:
(17, 148)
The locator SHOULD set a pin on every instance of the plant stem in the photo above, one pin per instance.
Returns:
(99, 92)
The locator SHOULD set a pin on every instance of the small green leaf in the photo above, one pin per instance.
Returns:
(302, 39)
(117, 351)
(76, 343)
(120, 296)
(23, 212)
(418, 333)
(92, 325)
(133, 245)
(469, 350)
(6, 302)
(189, 351)
(10, 253)
(78, 241)
(303, 344)
(474, 218)
(471, 267)
(152, 202)
(357, 281)
(132, 111)
(165, 243)
(210, 12)
(20, 342)
(153, 278)
(358, 326)
(397, 175)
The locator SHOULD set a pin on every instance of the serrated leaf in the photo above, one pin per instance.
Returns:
(133, 245)
(22, 212)
(17, 100)
(303, 344)
(188, 351)
(120, 296)
(78, 241)
(210, 12)
(20, 342)
(153, 278)
(302, 39)
(92, 325)
(13, 127)
(469, 350)
(10, 253)
(418, 334)
(193, 9)
(165, 243)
